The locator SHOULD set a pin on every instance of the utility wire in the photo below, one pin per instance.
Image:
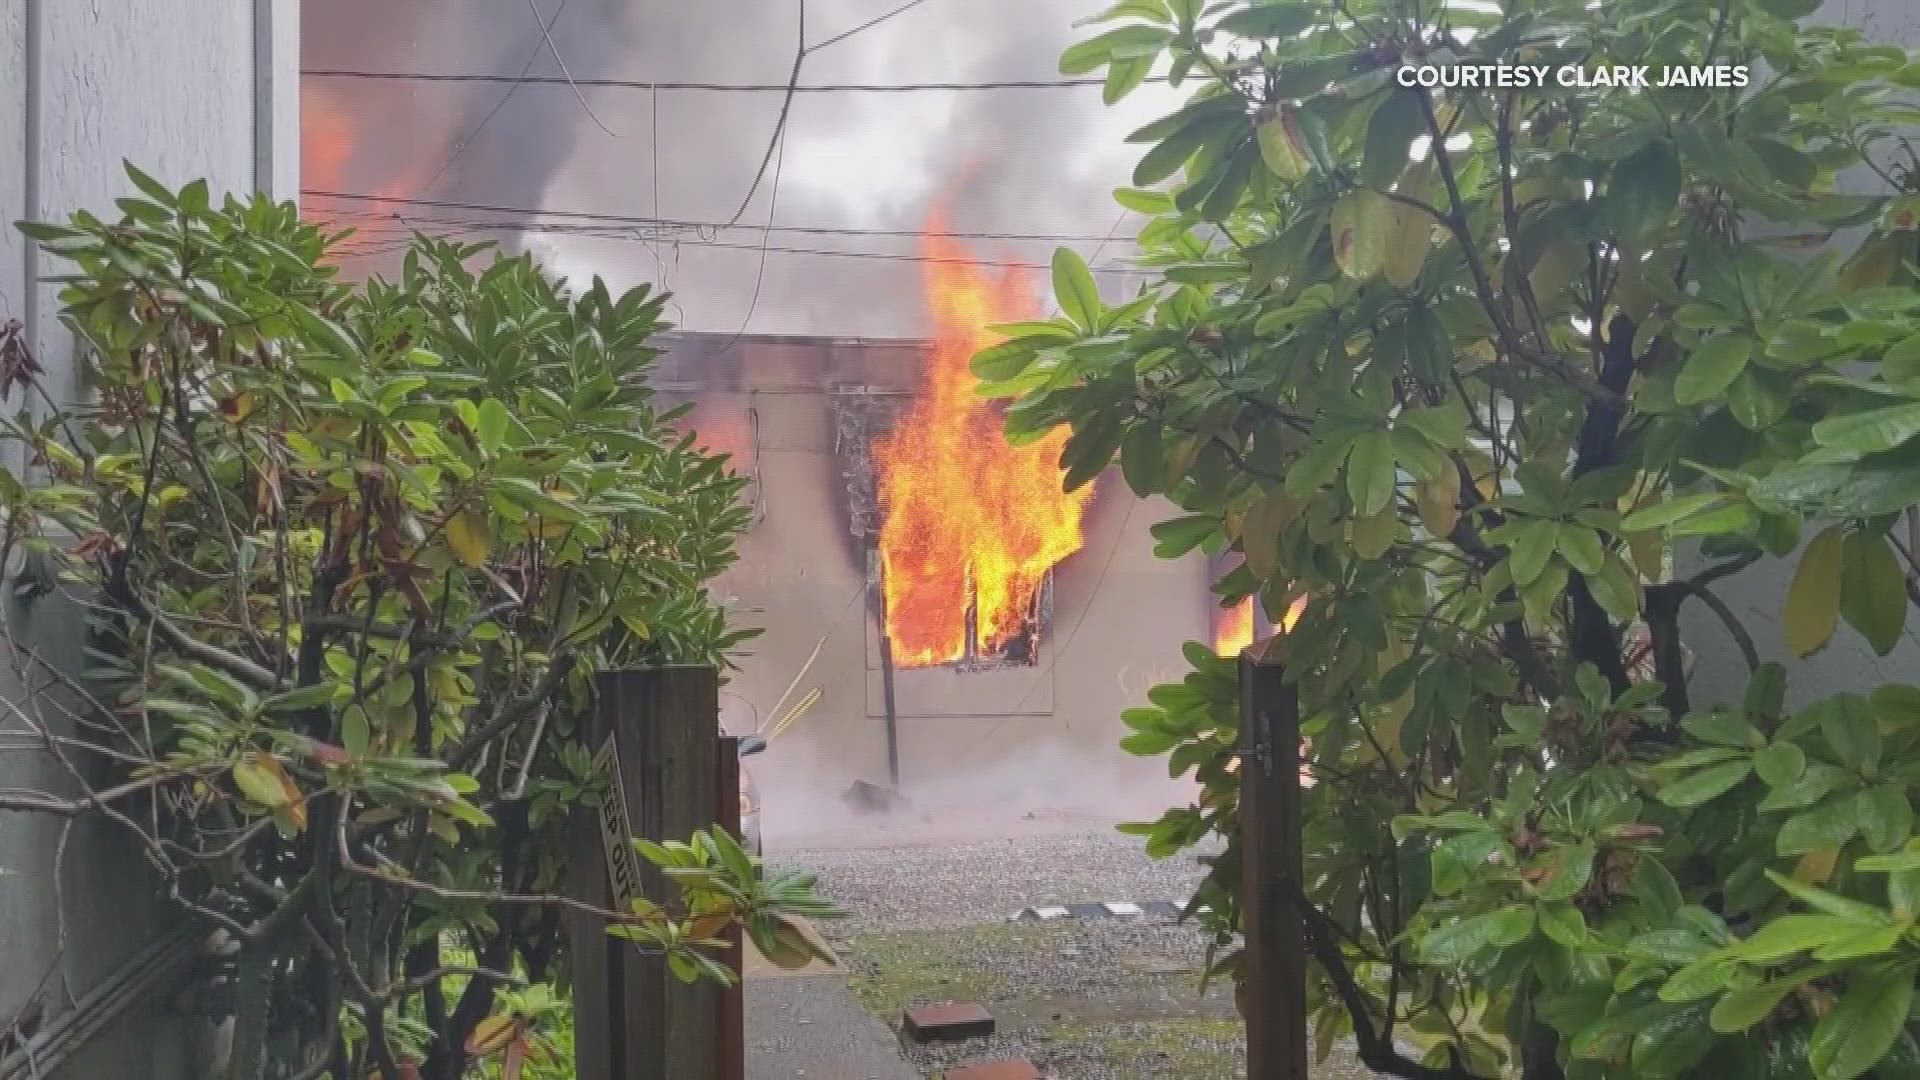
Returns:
(615, 221)
(383, 245)
(865, 26)
(780, 122)
(713, 87)
(760, 271)
(461, 146)
(546, 33)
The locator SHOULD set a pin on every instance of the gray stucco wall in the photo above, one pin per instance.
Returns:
(177, 87)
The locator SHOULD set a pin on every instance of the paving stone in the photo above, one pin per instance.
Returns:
(1016, 1069)
(951, 1022)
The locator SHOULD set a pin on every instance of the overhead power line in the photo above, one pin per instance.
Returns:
(717, 87)
(621, 221)
(390, 242)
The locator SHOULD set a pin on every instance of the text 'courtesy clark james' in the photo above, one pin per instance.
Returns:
(1570, 76)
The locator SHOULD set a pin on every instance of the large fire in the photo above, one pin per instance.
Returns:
(970, 524)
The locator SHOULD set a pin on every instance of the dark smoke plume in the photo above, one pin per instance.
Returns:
(1037, 161)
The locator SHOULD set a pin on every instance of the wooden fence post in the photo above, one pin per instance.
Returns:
(632, 1019)
(1274, 957)
(731, 1063)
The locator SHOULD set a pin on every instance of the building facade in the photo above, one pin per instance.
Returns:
(185, 89)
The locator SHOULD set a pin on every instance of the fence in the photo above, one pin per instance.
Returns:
(1274, 953)
(657, 731)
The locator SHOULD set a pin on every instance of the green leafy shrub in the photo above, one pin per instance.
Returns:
(352, 556)
(1472, 371)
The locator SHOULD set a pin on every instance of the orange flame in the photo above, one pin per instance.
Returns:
(326, 139)
(969, 521)
(1234, 629)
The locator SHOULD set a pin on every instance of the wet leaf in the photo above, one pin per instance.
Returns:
(1862, 1027)
(467, 536)
(1370, 473)
(1458, 942)
(1712, 367)
(1873, 591)
(1812, 611)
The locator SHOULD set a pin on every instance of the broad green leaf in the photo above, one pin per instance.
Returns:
(1269, 20)
(1749, 1005)
(1886, 816)
(354, 732)
(1870, 432)
(1359, 225)
(1370, 473)
(1901, 362)
(1759, 398)
(1373, 536)
(1701, 978)
(1445, 425)
(1712, 367)
(1572, 870)
(1829, 903)
(1789, 935)
(1873, 591)
(1722, 727)
(1895, 705)
(1533, 545)
(1085, 56)
(1813, 598)
(469, 537)
(1661, 515)
(1862, 1027)
(1644, 190)
(998, 363)
(1282, 143)
(1708, 783)
(1408, 238)
(1863, 945)
(1850, 728)
(494, 422)
(1562, 923)
(1176, 537)
(1779, 764)
(1655, 888)
(1074, 289)
(1143, 458)
(1396, 122)
(1457, 942)
(1261, 528)
(1826, 826)
(1583, 548)
(258, 776)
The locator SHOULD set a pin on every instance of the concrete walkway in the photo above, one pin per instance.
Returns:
(807, 1024)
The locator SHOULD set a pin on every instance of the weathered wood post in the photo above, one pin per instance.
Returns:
(657, 729)
(731, 1063)
(877, 604)
(1274, 957)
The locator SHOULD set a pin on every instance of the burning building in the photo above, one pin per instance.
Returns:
(961, 618)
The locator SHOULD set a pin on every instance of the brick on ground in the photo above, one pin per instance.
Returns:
(952, 1022)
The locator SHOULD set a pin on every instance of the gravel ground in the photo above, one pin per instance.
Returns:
(932, 885)
(1105, 999)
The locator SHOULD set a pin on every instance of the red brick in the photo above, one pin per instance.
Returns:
(1016, 1069)
(951, 1022)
